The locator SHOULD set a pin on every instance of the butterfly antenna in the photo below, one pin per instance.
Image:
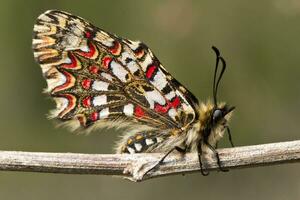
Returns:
(215, 74)
(217, 81)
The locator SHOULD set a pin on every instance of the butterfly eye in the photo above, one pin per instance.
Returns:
(217, 115)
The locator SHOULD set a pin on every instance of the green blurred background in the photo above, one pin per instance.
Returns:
(260, 41)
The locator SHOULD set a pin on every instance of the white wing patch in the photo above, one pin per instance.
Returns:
(100, 85)
(119, 71)
(128, 109)
(100, 100)
(159, 80)
(154, 97)
(104, 113)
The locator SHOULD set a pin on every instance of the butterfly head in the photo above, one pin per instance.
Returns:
(221, 114)
(214, 118)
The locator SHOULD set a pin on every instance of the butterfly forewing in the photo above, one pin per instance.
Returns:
(95, 76)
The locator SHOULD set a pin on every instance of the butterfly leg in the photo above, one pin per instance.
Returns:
(217, 156)
(200, 160)
(229, 135)
(179, 149)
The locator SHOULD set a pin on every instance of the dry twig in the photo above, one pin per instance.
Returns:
(134, 166)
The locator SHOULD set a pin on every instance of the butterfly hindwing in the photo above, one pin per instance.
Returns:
(95, 76)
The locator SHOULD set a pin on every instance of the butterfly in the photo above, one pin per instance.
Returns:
(98, 80)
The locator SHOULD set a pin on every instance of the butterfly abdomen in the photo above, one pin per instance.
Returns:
(143, 141)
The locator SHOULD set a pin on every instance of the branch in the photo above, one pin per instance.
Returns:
(133, 167)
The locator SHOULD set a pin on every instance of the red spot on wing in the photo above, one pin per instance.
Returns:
(94, 69)
(106, 61)
(70, 80)
(161, 109)
(88, 34)
(86, 83)
(94, 116)
(139, 53)
(139, 112)
(86, 102)
(170, 104)
(150, 71)
(116, 49)
(176, 102)
(90, 53)
(73, 64)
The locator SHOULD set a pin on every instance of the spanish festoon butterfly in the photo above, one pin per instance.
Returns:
(98, 79)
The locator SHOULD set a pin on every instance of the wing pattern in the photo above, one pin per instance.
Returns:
(95, 76)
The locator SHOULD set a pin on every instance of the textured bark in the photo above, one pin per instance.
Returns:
(133, 167)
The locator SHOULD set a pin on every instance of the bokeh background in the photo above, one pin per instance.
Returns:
(260, 41)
